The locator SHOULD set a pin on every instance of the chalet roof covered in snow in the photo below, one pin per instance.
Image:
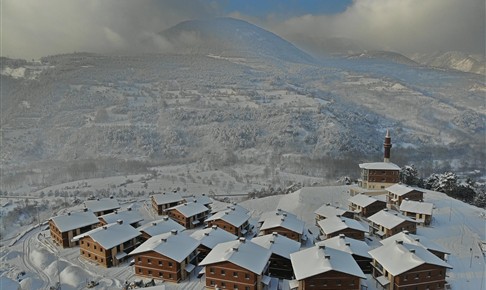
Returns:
(103, 204)
(278, 244)
(75, 220)
(417, 240)
(233, 217)
(290, 222)
(335, 224)
(173, 245)
(321, 259)
(348, 245)
(161, 226)
(328, 210)
(362, 200)
(190, 208)
(111, 235)
(400, 189)
(398, 258)
(389, 219)
(279, 211)
(212, 236)
(379, 166)
(241, 252)
(202, 199)
(416, 207)
(165, 198)
(127, 216)
(224, 206)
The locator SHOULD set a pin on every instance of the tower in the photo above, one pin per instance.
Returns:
(387, 145)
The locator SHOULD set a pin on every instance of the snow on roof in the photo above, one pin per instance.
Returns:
(212, 236)
(173, 245)
(327, 210)
(190, 209)
(241, 252)
(290, 222)
(389, 219)
(379, 166)
(335, 224)
(278, 244)
(165, 198)
(111, 235)
(416, 207)
(222, 207)
(348, 245)
(127, 216)
(319, 259)
(417, 240)
(202, 199)
(233, 217)
(399, 258)
(103, 204)
(161, 226)
(7, 283)
(400, 189)
(268, 214)
(362, 200)
(75, 220)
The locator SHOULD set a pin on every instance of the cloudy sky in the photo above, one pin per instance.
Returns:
(33, 28)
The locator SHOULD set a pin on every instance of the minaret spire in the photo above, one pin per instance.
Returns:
(387, 146)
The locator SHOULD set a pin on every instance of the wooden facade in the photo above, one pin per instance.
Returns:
(331, 280)
(383, 232)
(237, 231)
(64, 239)
(348, 232)
(378, 178)
(421, 218)
(157, 266)
(369, 210)
(226, 275)
(188, 222)
(280, 267)
(160, 208)
(394, 200)
(93, 251)
(284, 232)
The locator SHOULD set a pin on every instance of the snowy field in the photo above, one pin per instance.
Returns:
(458, 227)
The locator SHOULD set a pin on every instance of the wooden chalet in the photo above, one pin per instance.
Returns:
(64, 227)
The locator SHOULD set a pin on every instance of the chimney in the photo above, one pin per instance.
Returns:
(348, 244)
(235, 248)
(242, 240)
(116, 211)
(105, 227)
(417, 240)
(206, 234)
(111, 196)
(283, 218)
(154, 223)
(321, 246)
(85, 209)
(214, 227)
(69, 213)
(226, 212)
(120, 222)
(385, 209)
(342, 236)
(406, 232)
(274, 234)
(272, 241)
(98, 199)
(387, 146)
(412, 250)
(164, 240)
(166, 218)
(327, 257)
(328, 204)
(284, 214)
(174, 232)
(129, 209)
(399, 242)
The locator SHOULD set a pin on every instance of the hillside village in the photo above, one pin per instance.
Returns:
(371, 235)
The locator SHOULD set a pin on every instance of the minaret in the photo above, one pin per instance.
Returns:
(387, 145)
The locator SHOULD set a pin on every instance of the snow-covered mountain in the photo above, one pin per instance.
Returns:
(383, 55)
(452, 60)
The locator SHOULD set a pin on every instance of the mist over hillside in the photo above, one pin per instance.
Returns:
(235, 94)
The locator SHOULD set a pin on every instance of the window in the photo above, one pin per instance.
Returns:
(101, 260)
(139, 259)
(416, 276)
(170, 264)
(139, 270)
(89, 255)
(235, 286)
(94, 247)
(429, 274)
(223, 284)
(338, 282)
(235, 274)
(223, 272)
(82, 242)
(149, 261)
(211, 270)
(161, 274)
(247, 276)
(405, 278)
(150, 272)
(160, 263)
(247, 288)
(170, 276)
(211, 282)
(82, 252)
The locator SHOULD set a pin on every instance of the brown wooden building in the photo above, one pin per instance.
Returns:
(314, 269)
(210, 238)
(64, 227)
(328, 210)
(419, 211)
(335, 226)
(386, 223)
(365, 206)
(286, 225)
(108, 245)
(162, 201)
(399, 192)
(170, 257)
(281, 247)
(417, 240)
(102, 206)
(130, 217)
(237, 264)
(189, 214)
(400, 265)
(232, 221)
(157, 227)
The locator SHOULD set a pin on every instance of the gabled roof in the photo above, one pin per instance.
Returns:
(328, 210)
(335, 224)
(279, 211)
(111, 235)
(363, 200)
(290, 222)
(212, 236)
(278, 244)
(348, 245)
(165, 198)
(103, 204)
(389, 219)
(190, 209)
(202, 199)
(417, 240)
(222, 207)
(379, 166)
(173, 245)
(416, 207)
(320, 259)
(75, 220)
(161, 226)
(400, 189)
(127, 216)
(245, 254)
(399, 258)
(233, 217)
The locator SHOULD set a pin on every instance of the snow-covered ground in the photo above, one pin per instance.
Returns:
(457, 226)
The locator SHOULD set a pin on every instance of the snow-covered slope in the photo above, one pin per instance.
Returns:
(452, 60)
